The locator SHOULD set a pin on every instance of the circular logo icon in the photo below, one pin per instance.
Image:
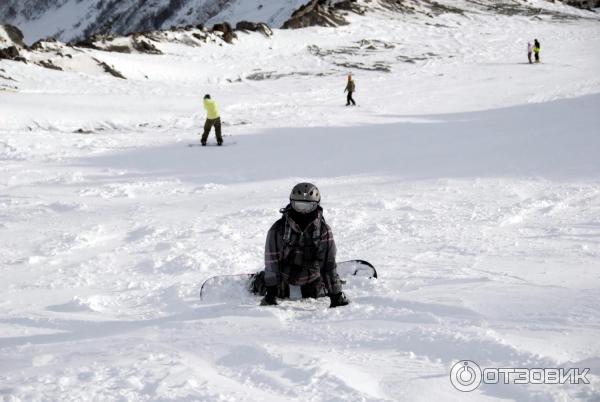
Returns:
(465, 376)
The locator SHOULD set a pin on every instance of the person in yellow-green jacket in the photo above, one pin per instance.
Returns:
(536, 50)
(212, 119)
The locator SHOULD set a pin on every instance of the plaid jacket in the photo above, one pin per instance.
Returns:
(297, 258)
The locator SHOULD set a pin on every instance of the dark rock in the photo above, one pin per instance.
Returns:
(223, 27)
(397, 6)
(110, 70)
(229, 37)
(50, 65)
(12, 53)
(87, 43)
(39, 45)
(15, 35)
(227, 32)
(377, 66)
(246, 26)
(350, 5)
(9, 53)
(144, 46)
(5, 77)
(254, 27)
(118, 49)
(264, 29)
(585, 4)
(42, 44)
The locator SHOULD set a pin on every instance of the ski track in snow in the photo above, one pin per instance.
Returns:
(481, 213)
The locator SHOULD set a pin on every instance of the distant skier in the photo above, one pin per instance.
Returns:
(212, 119)
(529, 52)
(300, 251)
(536, 49)
(350, 88)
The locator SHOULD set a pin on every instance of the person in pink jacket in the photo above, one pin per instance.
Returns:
(529, 52)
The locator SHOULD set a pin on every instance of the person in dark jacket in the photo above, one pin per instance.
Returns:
(350, 88)
(300, 251)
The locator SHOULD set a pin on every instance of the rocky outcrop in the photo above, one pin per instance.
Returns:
(40, 45)
(73, 57)
(254, 27)
(110, 69)
(14, 34)
(314, 13)
(323, 13)
(585, 4)
(149, 42)
(11, 53)
(139, 42)
(143, 46)
(110, 17)
(224, 29)
(49, 64)
(89, 42)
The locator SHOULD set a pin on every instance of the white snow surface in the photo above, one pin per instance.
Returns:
(468, 177)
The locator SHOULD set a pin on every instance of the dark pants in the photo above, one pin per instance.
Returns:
(529, 57)
(537, 57)
(350, 99)
(312, 290)
(208, 126)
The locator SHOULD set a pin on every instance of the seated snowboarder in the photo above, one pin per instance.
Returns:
(300, 251)
(212, 119)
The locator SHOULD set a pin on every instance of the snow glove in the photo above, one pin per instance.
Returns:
(338, 300)
(271, 298)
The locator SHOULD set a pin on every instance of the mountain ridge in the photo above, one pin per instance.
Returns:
(74, 20)
(71, 20)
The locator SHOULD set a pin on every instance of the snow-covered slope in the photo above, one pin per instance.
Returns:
(68, 20)
(470, 178)
(73, 19)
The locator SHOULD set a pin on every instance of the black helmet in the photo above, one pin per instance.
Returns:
(305, 197)
(207, 96)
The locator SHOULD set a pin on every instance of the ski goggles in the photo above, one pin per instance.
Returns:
(304, 207)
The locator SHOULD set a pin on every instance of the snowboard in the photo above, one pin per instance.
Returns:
(212, 144)
(220, 287)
